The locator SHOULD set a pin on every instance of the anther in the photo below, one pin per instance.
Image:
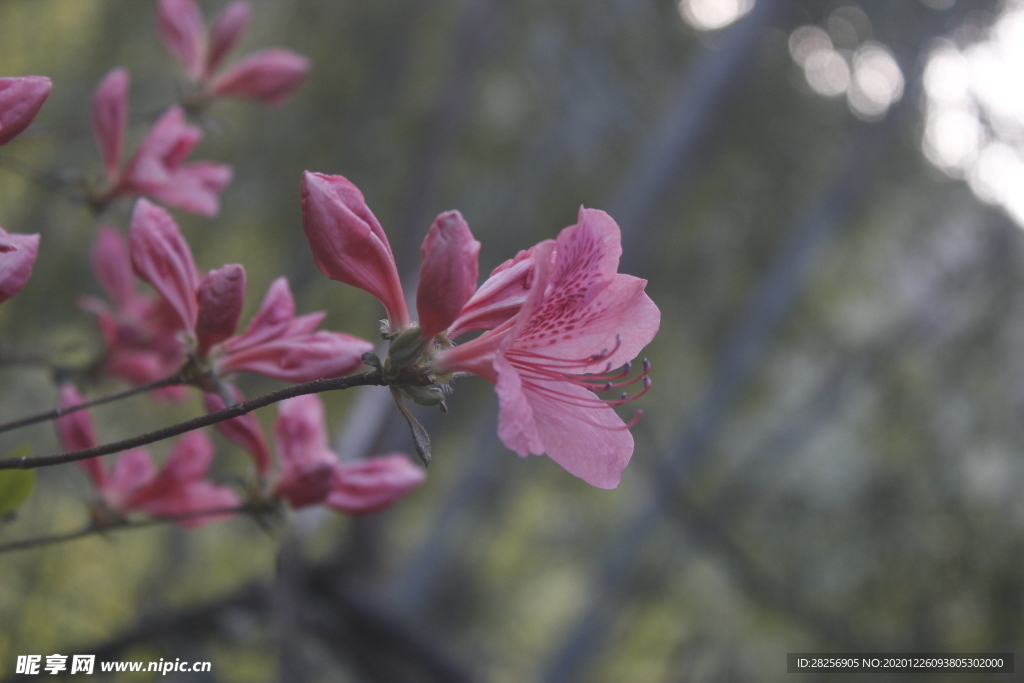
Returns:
(647, 365)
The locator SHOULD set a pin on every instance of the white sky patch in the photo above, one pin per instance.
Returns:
(974, 112)
(709, 15)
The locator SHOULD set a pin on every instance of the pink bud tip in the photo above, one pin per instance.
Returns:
(17, 256)
(348, 243)
(449, 272)
(20, 101)
(269, 76)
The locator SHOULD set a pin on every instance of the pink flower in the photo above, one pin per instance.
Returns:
(178, 488)
(20, 101)
(579, 320)
(139, 329)
(17, 256)
(348, 243)
(276, 343)
(309, 472)
(158, 168)
(270, 76)
(557, 319)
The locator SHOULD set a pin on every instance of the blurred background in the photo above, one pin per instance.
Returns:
(826, 199)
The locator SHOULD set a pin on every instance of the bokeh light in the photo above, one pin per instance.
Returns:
(708, 15)
(974, 112)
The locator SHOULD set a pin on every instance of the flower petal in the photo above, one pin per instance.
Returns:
(271, 320)
(75, 432)
(301, 432)
(348, 243)
(243, 430)
(373, 484)
(20, 101)
(17, 256)
(220, 297)
(189, 499)
(113, 266)
(181, 27)
(566, 422)
(498, 298)
(299, 359)
(449, 273)
(226, 31)
(109, 118)
(161, 257)
(269, 76)
(132, 470)
(305, 459)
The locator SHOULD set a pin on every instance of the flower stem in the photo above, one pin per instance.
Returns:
(170, 381)
(94, 528)
(372, 378)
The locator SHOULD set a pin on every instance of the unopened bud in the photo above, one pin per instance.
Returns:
(408, 347)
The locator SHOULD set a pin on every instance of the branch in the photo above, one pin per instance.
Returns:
(95, 528)
(172, 380)
(237, 410)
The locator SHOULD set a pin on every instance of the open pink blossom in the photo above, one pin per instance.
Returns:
(17, 256)
(557, 319)
(177, 488)
(269, 76)
(139, 330)
(20, 101)
(158, 168)
(276, 343)
(579, 320)
(310, 473)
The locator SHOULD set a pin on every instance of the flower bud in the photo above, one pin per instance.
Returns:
(220, 296)
(75, 432)
(348, 243)
(109, 118)
(17, 256)
(269, 76)
(449, 272)
(180, 25)
(226, 31)
(20, 101)
(161, 257)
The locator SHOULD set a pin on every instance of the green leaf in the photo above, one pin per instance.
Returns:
(16, 485)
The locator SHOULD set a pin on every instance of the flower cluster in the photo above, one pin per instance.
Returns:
(269, 76)
(553, 329)
(308, 472)
(557, 320)
(194, 318)
(178, 489)
(20, 101)
(158, 168)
